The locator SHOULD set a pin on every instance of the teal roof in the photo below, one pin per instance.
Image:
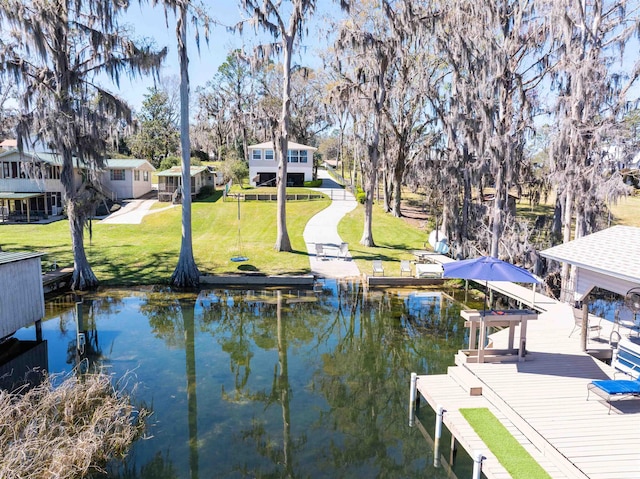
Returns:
(50, 158)
(8, 195)
(177, 171)
(126, 163)
(55, 159)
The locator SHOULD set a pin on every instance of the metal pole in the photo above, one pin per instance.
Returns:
(440, 410)
(412, 398)
(478, 457)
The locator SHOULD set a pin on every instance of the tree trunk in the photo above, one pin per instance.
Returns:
(566, 233)
(498, 212)
(186, 274)
(398, 173)
(556, 227)
(83, 277)
(387, 186)
(283, 242)
(466, 202)
(367, 232)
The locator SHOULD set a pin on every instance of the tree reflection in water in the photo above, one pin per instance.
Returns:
(279, 383)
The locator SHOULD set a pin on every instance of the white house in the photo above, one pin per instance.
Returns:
(127, 178)
(263, 166)
(30, 185)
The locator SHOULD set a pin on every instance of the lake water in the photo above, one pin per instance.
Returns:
(269, 384)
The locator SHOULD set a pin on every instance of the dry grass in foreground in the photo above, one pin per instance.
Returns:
(66, 430)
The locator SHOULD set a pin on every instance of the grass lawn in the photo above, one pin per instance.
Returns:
(148, 253)
(394, 239)
(627, 211)
(513, 457)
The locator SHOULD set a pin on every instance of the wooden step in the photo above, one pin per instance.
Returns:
(465, 379)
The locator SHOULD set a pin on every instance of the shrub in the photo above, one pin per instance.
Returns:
(361, 196)
(206, 190)
(67, 429)
(313, 184)
(200, 155)
(169, 162)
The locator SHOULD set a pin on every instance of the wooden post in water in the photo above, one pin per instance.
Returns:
(478, 457)
(39, 330)
(440, 410)
(80, 331)
(412, 398)
(453, 451)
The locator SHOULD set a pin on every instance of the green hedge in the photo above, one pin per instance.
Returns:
(313, 184)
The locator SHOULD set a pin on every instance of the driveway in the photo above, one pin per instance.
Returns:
(131, 213)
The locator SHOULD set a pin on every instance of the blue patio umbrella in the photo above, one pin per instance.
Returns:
(487, 268)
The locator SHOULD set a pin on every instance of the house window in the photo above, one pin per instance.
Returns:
(117, 175)
(52, 172)
(5, 170)
(256, 155)
(297, 156)
(145, 176)
(136, 175)
(268, 155)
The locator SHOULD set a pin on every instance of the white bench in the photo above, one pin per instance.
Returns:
(428, 270)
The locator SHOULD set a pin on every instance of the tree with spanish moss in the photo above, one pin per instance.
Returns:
(589, 38)
(496, 53)
(364, 51)
(56, 50)
(271, 16)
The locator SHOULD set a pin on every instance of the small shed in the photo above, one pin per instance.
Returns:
(21, 292)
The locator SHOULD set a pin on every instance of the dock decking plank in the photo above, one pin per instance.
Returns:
(544, 401)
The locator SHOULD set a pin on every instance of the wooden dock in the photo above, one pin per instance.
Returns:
(56, 280)
(543, 401)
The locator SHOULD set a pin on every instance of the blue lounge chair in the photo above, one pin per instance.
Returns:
(625, 360)
(609, 389)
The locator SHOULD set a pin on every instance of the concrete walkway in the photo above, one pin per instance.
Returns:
(133, 212)
(323, 229)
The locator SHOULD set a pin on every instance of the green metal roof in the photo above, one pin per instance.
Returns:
(55, 159)
(13, 257)
(177, 171)
(50, 158)
(18, 196)
(122, 163)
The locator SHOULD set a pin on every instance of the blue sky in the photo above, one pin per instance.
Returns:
(147, 22)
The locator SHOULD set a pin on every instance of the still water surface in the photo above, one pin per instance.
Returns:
(269, 384)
